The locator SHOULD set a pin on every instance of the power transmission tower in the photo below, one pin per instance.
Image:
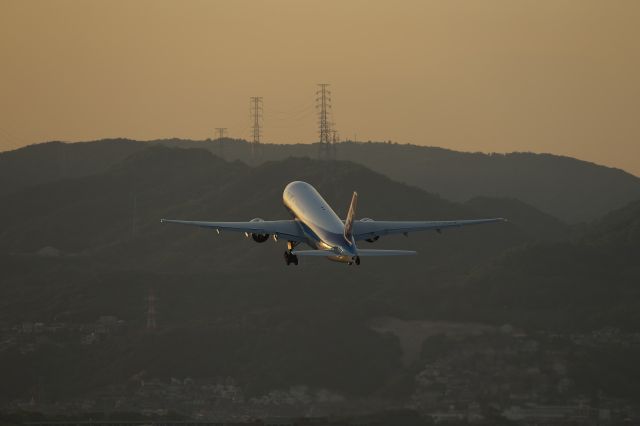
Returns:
(151, 310)
(323, 103)
(221, 131)
(133, 215)
(255, 112)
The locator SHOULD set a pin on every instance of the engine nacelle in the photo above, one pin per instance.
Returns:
(258, 238)
(374, 239)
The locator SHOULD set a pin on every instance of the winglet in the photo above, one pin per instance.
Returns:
(348, 224)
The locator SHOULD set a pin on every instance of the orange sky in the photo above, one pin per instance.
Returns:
(477, 75)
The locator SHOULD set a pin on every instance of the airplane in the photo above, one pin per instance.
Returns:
(317, 225)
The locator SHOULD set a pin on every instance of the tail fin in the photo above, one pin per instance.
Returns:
(348, 224)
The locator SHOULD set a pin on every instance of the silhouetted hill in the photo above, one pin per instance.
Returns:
(588, 282)
(124, 204)
(578, 286)
(75, 249)
(620, 228)
(47, 162)
(569, 189)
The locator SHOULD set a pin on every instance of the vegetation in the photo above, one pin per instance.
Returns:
(76, 247)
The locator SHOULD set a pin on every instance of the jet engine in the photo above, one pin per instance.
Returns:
(258, 238)
(374, 239)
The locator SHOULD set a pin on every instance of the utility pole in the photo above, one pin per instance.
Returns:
(151, 310)
(221, 131)
(133, 215)
(323, 104)
(255, 112)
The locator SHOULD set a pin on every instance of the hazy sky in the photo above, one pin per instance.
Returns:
(477, 75)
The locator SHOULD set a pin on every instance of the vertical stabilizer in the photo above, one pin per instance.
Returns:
(348, 224)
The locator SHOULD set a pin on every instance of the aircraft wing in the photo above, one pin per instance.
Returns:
(286, 229)
(363, 230)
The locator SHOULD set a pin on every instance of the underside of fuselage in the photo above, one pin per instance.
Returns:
(345, 259)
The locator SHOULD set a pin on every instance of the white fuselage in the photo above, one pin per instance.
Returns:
(322, 227)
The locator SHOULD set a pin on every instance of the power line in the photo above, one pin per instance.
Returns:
(294, 116)
(293, 111)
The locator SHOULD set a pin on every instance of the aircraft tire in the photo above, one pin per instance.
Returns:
(290, 258)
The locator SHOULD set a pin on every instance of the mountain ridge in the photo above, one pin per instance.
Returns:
(570, 189)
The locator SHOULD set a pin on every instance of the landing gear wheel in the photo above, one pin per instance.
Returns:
(357, 260)
(290, 258)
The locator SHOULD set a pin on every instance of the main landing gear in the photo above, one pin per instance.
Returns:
(356, 260)
(289, 257)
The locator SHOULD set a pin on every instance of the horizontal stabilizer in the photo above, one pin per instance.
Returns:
(374, 252)
(362, 253)
(325, 253)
